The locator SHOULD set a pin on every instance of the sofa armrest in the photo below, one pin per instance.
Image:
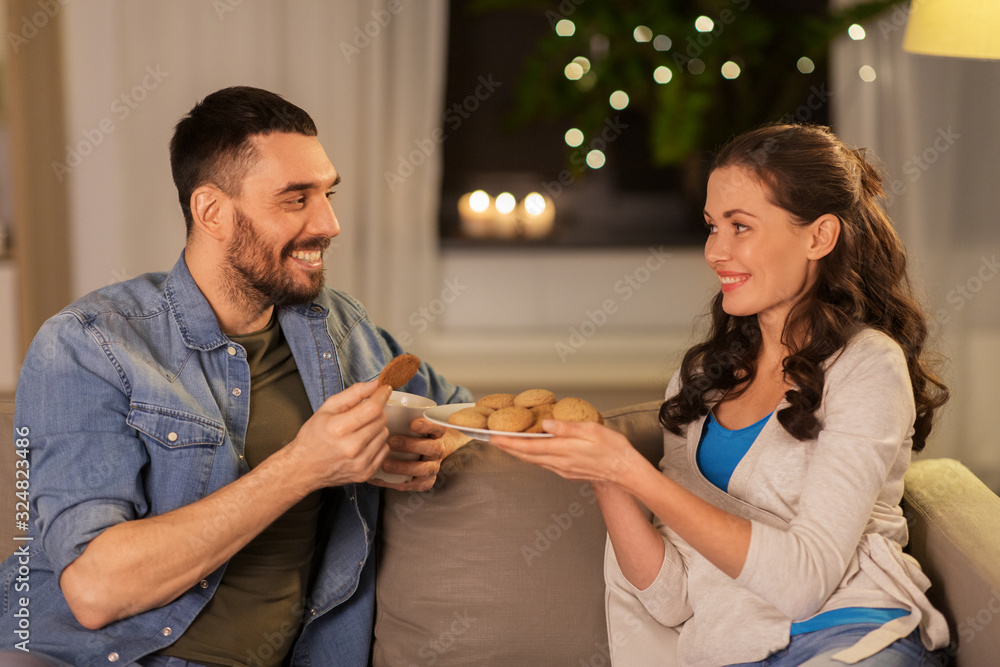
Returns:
(954, 522)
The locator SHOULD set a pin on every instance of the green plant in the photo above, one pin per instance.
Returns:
(698, 108)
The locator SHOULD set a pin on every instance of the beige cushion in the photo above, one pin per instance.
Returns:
(954, 524)
(501, 564)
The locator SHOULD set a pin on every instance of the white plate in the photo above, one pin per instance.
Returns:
(440, 414)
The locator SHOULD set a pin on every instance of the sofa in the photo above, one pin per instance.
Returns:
(502, 563)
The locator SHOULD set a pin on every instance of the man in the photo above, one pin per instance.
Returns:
(200, 440)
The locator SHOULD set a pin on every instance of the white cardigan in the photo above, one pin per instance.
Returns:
(827, 529)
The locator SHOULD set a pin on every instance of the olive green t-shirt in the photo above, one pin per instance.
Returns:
(255, 614)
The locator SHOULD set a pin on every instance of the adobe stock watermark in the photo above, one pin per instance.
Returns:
(578, 158)
(223, 7)
(918, 164)
(274, 642)
(278, 641)
(617, 639)
(818, 97)
(415, 500)
(969, 629)
(362, 35)
(453, 117)
(47, 10)
(561, 523)
(422, 318)
(900, 15)
(971, 626)
(446, 639)
(965, 292)
(601, 657)
(121, 108)
(626, 288)
(690, 58)
(563, 11)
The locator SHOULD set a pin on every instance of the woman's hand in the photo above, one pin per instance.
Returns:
(579, 450)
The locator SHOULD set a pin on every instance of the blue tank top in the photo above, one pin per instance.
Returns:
(720, 450)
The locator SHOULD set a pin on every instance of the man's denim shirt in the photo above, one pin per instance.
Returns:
(136, 404)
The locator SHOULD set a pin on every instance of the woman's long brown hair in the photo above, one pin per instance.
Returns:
(809, 172)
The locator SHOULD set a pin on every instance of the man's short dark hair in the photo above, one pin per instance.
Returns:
(213, 143)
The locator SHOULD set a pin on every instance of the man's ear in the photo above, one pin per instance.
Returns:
(209, 211)
(825, 230)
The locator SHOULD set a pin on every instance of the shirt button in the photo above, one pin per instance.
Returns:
(172, 437)
(237, 392)
(327, 355)
(312, 612)
(232, 351)
(203, 583)
(242, 458)
(112, 657)
(166, 632)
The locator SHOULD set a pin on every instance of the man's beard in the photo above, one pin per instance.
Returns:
(255, 279)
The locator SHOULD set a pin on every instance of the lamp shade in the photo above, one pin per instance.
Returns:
(959, 28)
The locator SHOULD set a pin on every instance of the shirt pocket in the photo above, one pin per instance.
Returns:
(174, 428)
(182, 449)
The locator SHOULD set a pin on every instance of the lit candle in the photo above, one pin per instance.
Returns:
(504, 219)
(537, 214)
(476, 214)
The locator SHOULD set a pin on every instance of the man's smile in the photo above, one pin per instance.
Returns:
(311, 258)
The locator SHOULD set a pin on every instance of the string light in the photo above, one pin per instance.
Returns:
(662, 43)
(805, 65)
(642, 34)
(867, 73)
(662, 74)
(574, 137)
(856, 32)
(573, 71)
(595, 159)
(730, 70)
(565, 28)
(619, 99)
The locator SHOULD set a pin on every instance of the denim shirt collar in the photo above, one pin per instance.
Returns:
(196, 321)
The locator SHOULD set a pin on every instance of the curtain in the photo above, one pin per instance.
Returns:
(933, 123)
(370, 72)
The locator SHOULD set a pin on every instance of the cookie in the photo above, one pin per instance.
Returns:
(496, 401)
(541, 412)
(544, 411)
(514, 419)
(399, 370)
(468, 418)
(531, 398)
(483, 410)
(576, 410)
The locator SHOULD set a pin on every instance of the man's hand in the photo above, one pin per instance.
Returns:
(433, 448)
(137, 565)
(344, 442)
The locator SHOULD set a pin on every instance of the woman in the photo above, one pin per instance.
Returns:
(778, 534)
